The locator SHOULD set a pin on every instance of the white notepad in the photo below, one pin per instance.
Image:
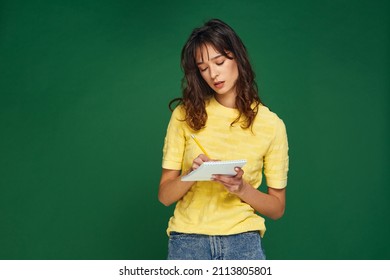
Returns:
(209, 168)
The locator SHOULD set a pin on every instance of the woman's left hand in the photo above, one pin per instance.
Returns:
(234, 184)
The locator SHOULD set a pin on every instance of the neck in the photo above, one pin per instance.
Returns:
(227, 100)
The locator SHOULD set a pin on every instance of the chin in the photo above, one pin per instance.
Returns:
(223, 92)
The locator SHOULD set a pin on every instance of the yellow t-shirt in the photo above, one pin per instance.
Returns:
(208, 208)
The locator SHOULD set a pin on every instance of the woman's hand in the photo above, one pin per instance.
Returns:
(271, 204)
(198, 161)
(234, 184)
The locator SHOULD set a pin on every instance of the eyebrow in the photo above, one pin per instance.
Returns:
(218, 55)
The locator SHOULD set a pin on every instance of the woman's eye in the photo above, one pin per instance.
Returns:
(220, 63)
(202, 70)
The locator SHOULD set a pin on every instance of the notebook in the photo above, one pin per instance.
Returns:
(208, 168)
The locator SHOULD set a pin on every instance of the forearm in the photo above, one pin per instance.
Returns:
(265, 203)
(269, 204)
(171, 187)
(172, 190)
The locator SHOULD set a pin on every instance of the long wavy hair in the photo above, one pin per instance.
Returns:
(195, 90)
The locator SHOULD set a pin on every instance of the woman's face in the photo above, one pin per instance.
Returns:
(219, 72)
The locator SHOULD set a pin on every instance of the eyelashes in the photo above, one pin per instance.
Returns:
(218, 63)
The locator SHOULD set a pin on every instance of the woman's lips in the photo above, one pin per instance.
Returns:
(219, 84)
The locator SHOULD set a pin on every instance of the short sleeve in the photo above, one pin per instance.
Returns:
(276, 160)
(174, 142)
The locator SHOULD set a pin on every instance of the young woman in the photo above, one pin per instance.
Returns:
(220, 105)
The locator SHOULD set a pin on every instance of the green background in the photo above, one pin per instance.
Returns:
(84, 88)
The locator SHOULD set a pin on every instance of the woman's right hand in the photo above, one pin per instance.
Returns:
(198, 161)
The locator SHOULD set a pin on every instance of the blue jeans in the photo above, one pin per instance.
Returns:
(242, 246)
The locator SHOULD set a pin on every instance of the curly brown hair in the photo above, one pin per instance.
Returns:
(195, 90)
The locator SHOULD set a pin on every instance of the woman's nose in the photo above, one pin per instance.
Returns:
(213, 73)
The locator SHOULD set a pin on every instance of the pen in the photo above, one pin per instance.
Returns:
(199, 145)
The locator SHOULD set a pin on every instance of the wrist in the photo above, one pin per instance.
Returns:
(243, 190)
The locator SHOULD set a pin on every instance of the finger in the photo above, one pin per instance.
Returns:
(224, 179)
(194, 166)
(199, 160)
(203, 157)
(240, 172)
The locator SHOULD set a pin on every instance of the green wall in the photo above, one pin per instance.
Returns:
(84, 88)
